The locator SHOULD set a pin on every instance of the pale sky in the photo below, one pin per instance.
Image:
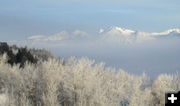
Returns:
(22, 18)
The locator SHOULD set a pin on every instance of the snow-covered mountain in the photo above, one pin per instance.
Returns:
(121, 35)
(111, 35)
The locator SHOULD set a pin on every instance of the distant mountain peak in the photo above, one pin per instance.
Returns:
(122, 35)
(122, 30)
(167, 32)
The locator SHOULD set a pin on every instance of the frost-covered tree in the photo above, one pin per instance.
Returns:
(41, 54)
(79, 82)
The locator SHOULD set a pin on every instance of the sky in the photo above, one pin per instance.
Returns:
(135, 35)
(22, 18)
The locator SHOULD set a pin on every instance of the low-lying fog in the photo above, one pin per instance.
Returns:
(132, 51)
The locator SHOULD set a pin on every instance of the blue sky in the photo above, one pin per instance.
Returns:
(22, 18)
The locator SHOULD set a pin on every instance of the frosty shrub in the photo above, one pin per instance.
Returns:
(79, 82)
